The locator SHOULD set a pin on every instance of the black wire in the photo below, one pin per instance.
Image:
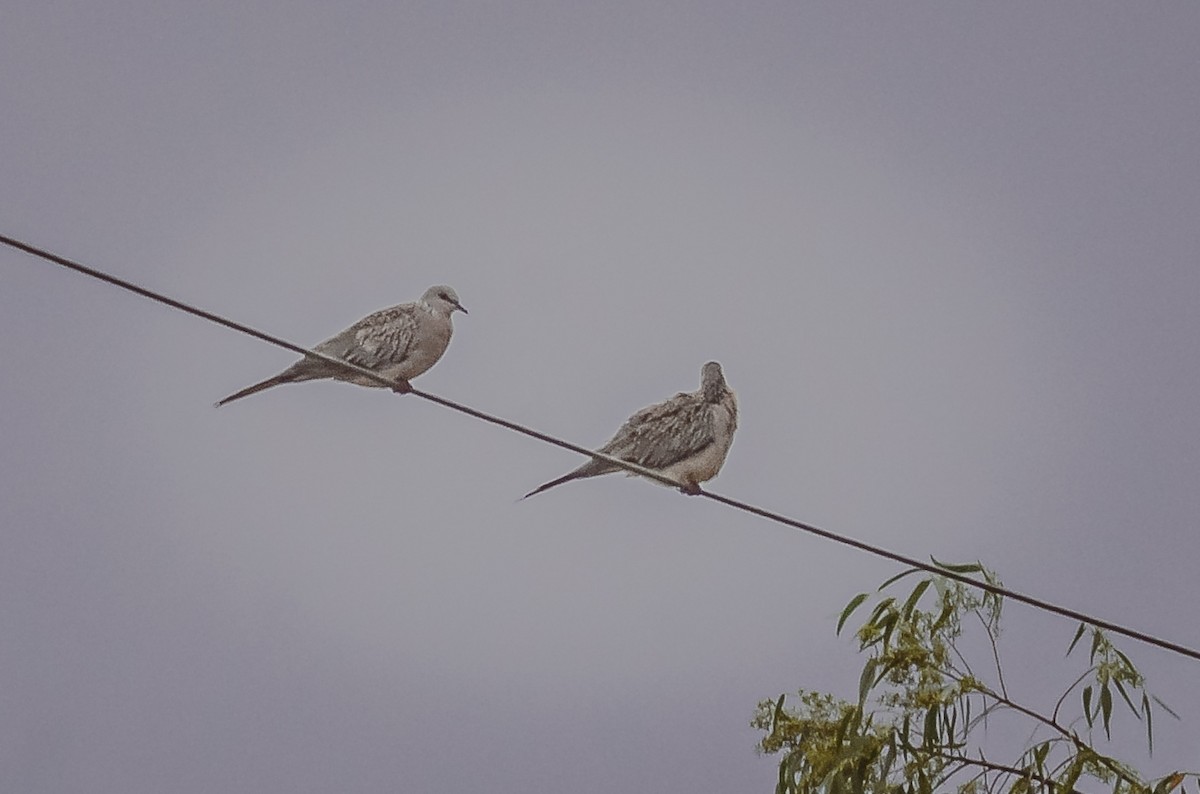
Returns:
(734, 503)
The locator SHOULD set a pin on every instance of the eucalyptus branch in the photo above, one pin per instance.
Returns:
(1028, 712)
(1116, 768)
(961, 766)
(1011, 770)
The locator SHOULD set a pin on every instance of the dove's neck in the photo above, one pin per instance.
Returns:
(714, 391)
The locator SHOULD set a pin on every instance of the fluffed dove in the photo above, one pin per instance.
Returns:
(399, 343)
(685, 438)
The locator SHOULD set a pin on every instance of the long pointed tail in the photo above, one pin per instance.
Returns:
(593, 468)
(575, 475)
(256, 388)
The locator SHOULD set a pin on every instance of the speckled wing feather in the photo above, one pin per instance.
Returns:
(666, 433)
(379, 340)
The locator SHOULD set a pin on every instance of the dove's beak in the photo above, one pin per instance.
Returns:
(461, 308)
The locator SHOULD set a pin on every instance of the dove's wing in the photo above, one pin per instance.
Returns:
(666, 433)
(379, 340)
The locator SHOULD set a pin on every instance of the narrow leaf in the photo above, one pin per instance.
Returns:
(1106, 709)
(1125, 696)
(1078, 633)
(1039, 757)
(885, 766)
(1173, 780)
(899, 576)
(1073, 773)
(1164, 785)
(853, 605)
(1149, 723)
(889, 625)
(866, 681)
(1087, 705)
(946, 613)
(931, 726)
(973, 567)
(778, 712)
(880, 608)
(914, 597)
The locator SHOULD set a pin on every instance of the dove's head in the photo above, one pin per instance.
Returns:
(712, 381)
(442, 300)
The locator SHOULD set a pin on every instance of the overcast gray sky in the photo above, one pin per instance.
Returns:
(946, 253)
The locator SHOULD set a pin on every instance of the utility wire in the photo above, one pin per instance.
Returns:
(630, 467)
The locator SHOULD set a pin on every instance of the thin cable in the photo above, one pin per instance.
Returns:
(630, 467)
(958, 577)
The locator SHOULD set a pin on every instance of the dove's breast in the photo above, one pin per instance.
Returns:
(430, 341)
(705, 464)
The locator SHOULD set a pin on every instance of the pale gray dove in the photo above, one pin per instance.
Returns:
(685, 438)
(399, 343)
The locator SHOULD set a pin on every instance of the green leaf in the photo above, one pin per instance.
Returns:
(859, 783)
(1125, 696)
(898, 577)
(1087, 705)
(931, 727)
(885, 766)
(778, 712)
(1106, 709)
(843, 726)
(837, 785)
(1039, 757)
(888, 625)
(973, 567)
(1072, 776)
(787, 775)
(1149, 723)
(1078, 633)
(866, 680)
(880, 608)
(854, 604)
(1165, 785)
(914, 597)
(1097, 638)
(944, 617)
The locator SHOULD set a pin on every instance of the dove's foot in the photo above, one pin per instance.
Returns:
(401, 386)
(691, 489)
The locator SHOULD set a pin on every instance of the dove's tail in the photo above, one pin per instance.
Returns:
(282, 377)
(575, 475)
(593, 468)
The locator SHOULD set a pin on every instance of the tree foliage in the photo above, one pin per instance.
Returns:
(919, 723)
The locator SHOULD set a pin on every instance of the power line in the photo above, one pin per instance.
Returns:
(630, 467)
